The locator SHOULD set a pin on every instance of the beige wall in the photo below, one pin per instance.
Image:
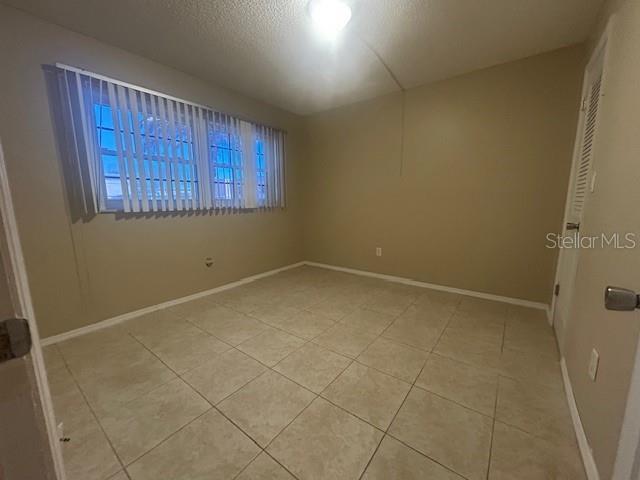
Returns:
(85, 272)
(486, 157)
(6, 307)
(483, 178)
(612, 207)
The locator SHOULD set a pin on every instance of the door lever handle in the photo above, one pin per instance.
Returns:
(621, 299)
(573, 226)
(15, 338)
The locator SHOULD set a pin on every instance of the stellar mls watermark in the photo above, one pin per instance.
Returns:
(614, 240)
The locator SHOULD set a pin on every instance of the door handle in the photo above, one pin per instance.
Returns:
(573, 226)
(15, 339)
(621, 299)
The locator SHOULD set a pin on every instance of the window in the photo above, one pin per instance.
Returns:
(226, 162)
(136, 151)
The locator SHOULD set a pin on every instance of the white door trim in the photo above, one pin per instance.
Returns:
(601, 49)
(586, 453)
(12, 253)
(626, 466)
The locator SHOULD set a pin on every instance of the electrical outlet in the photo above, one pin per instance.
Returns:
(378, 251)
(592, 187)
(593, 364)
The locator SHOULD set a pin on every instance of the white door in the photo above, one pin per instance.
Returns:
(582, 177)
(29, 448)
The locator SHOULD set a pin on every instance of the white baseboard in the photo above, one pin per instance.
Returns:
(143, 311)
(585, 450)
(136, 313)
(416, 283)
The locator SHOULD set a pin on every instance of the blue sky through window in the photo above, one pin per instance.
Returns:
(157, 144)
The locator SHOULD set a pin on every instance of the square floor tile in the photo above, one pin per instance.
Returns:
(416, 329)
(53, 359)
(531, 368)
(467, 348)
(452, 435)
(470, 326)
(306, 324)
(395, 461)
(88, 454)
(532, 340)
(60, 381)
(209, 447)
(271, 346)
(264, 468)
(371, 395)
(110, 388)
(274, 315)
(470, 386)
(325, 443)
(390, 302)
(536, 409)
(313, 366)
(301, 298)
(192, 307)
(266, 405)
(225, 374)
(396, 359)
(228, 325)
(182, 347)
(518, 455)
(337, 307)
(86, 367)
(155, 327)
(534, 317)
(119, 476)
(437, 304)
(346, 340)
(95, 349)
(479, 307)
(245, 299)
(143, 423)
(368, 320)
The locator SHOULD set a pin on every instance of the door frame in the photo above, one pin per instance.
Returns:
(627, 464)
(601, 50)
(12, 256)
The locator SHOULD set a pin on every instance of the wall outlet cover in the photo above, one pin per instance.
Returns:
(378, 251)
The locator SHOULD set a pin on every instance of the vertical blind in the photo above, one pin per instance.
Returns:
(133, 150)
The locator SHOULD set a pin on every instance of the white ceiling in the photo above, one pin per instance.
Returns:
(267, 49)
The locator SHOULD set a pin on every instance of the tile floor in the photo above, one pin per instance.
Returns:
(316, 374)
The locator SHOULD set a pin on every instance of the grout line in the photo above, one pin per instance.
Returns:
(493, 427)
(281, 464)
(375, 451)
(316, 395)
(353, 360)
(413, 385)
(426, 456)
(386, 432)
(462, 405)
(292, 420)
(160, 386)
(93, 413)
(164, 440)
(495, 406)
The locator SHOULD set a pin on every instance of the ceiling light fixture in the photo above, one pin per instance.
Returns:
(329, 16)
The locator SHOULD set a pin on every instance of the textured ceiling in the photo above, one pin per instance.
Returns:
(267, 49)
